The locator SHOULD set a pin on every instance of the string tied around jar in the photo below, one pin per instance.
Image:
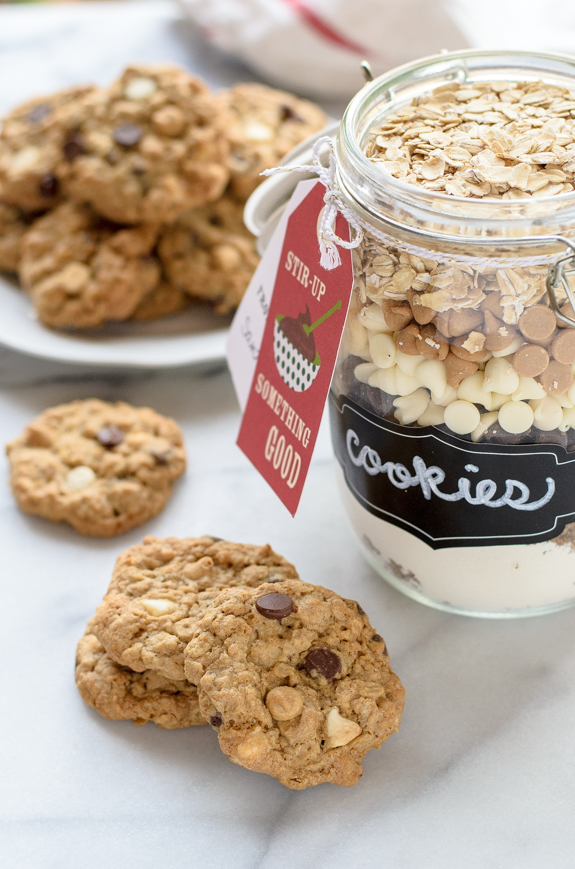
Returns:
(329, 241)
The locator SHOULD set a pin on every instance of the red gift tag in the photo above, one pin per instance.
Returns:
(297, 357)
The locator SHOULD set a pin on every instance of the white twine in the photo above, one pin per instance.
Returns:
(329, 241)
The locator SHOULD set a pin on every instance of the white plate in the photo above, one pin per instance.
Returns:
(192, 337)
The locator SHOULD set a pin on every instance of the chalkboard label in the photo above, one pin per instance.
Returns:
(450, 492)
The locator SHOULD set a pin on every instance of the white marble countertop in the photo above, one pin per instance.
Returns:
(481, 774)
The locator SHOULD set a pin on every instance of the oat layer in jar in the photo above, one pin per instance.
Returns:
(453, 401)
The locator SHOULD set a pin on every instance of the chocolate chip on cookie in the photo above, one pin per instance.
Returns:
(275, 606)
(110, 436)
(48, 185)
(39, 112)
(127, 134)
(322, 662)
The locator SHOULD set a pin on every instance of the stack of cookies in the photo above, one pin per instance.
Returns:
(126, 202)
(291, 676)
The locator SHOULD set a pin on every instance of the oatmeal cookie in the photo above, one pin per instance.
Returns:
(118, 693)
(210, 254)
(265, 125)
(36, 141)
(163, 300)
(82, 271)
(102, 467)
(12, 229)
(161, 588)
(153, 148)
(296, 682)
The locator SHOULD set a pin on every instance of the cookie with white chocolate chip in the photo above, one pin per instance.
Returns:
(120, 694)
(296, 682)
(162, 587)
(209, 254)
(101, 467)
(151, 149)
(36, 140)
(82, 271)
(265, 124)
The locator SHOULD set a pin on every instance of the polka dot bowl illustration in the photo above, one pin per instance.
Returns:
(295, 370)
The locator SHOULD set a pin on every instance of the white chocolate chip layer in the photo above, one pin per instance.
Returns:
(410, 407)
(364, 371)
(500, 376)
(547, 413)
(404, 384)
(461, 417)
(433, 415)
(515, 417)
(384, 378)
(433, 374)
(408, 364)
(372, 318)
(486, 421)
(382, 349)
(528, 388)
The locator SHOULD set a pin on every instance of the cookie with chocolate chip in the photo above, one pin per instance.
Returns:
(120, 694)
(161, 588)
(33, 143)
(265, 124)
(209, 254)
(82, 271)
(296, 682)
(101, 467)
(153, 148)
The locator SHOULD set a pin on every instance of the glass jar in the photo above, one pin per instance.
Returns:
(453, 403)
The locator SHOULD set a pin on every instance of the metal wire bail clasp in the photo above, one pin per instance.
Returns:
(557, 276)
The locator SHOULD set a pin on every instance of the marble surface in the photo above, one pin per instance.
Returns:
(481, 774)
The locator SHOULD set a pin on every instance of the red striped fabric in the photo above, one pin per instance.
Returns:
(323, 28)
